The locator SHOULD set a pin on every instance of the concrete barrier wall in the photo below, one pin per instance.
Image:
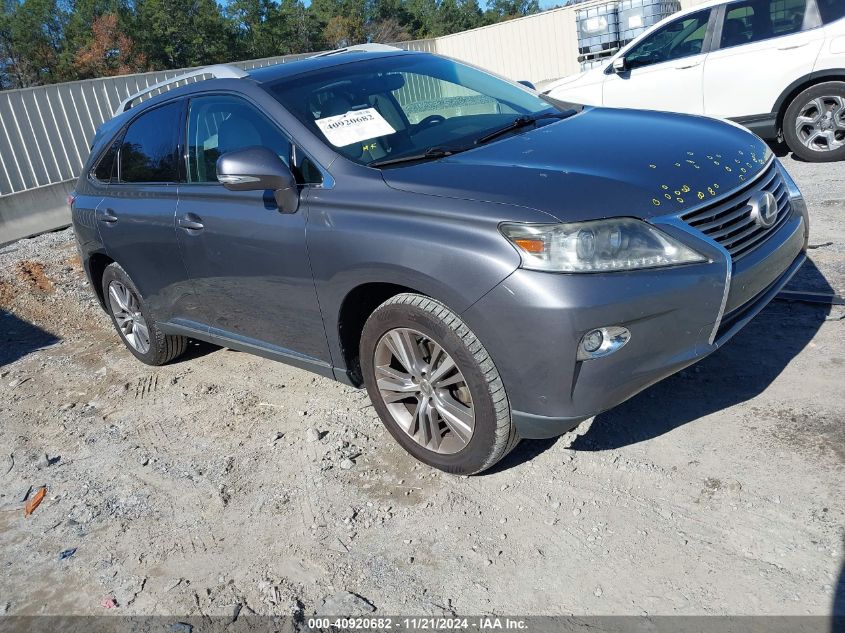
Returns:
(34, 211)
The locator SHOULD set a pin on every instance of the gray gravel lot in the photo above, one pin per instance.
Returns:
(216, 485)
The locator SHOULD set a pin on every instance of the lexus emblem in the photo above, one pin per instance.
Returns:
(764, 209)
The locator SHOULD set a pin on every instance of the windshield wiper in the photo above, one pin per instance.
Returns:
(431, 153)
(519, 122)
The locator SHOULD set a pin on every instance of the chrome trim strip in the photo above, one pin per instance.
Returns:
(764, 299)
(678, 223)
(231, 179)
(728, 272)
(771, 168)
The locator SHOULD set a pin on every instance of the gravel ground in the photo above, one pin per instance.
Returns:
(226, 484)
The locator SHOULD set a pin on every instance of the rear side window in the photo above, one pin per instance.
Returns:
(148, 152)
(758, 20)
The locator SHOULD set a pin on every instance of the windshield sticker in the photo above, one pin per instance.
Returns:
(354, 126)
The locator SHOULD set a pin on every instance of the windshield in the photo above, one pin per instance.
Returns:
(405, 105)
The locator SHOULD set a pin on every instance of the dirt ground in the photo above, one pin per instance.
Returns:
(193, 488)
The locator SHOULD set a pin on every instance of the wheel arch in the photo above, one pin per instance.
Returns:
(800, 85)
(95, 266)
(355, 308)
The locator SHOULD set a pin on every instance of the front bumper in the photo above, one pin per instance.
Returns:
(532, 322)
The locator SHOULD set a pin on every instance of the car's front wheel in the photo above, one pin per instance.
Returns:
(133, 322)
(814, 123)
(434, 385)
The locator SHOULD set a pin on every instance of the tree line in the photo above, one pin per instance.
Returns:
(48, 41)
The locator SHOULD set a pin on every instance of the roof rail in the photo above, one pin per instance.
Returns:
(363, 48)
(220, 71)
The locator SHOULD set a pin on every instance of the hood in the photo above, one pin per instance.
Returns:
(598, 163)
(587, 74)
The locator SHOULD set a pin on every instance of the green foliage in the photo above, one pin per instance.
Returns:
(507, 9)
(31, 42)
(182, 33)
(80, 22)
(264, 28)
(45, 41)
(456, 15)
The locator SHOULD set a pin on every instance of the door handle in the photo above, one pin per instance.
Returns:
(688, 66)
(191, 222)
(108, 216)
(793, 47)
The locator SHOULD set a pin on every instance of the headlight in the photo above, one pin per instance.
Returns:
(599, 246)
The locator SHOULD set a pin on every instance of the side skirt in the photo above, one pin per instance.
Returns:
(224, 338)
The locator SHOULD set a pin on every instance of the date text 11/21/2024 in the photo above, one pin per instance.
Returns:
(484, 623)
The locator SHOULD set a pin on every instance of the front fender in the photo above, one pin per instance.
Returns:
(435, 246)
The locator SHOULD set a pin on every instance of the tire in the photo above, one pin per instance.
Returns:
(431, 329)
(160, 348)
(824, 102)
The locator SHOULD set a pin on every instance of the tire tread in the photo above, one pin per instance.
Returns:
(164, 348)
(826, 88)
(506, 437)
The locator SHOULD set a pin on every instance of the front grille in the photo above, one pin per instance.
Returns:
(730, 223)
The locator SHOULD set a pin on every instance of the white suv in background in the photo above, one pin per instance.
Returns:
(775, 66)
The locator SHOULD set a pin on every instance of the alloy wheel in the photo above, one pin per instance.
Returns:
(424, 390)
(127, 314)
(820, 124)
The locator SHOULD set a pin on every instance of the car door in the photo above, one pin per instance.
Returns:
(760, 48)
(89, 197)
(247, 260)
(664, 70)
(136, 215)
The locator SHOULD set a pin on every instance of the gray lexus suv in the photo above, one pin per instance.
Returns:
(490, 264)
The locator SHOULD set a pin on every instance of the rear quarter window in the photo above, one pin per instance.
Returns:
(759, 20)
(148, 152)
(104, 170)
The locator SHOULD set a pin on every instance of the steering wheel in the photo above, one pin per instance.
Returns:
(431, 119)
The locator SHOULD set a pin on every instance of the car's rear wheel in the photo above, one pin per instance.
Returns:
(434, 386)
(134, 323)
(814, 123)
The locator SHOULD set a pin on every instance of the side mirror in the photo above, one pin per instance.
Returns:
(527, 84)
(619, 65)
(258, 168)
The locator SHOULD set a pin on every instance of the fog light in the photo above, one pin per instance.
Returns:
(602, 342)
(592, 341)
